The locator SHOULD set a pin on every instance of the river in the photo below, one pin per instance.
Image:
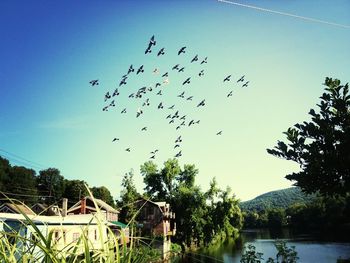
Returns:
(309, 248)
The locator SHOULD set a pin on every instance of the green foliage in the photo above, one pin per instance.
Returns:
(50, 183)
(75, 190)
(322, 146)
(277, 199)
(104, 194)
(250, 255)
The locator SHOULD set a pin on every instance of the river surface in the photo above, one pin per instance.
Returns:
(309, 248)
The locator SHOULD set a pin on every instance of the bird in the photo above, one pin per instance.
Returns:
(112, 104)
(159, 92)
(190, 98)
(171, 121)
(241, 79)
(230, 94)
(94, 82)
(127, 149)
(227, 78)
(123, 111)
(197, 122)
(160, 106)
(245, 84)
(140, 70)
(183, 117)
(146, 103)
(176, 146)
(204, 60)
(202, 103)
(176, 67)
(144, 129)
(138, 113)
(201, 73)
(122, 82)
(154, 152)
(115, 139)
(131, 69)
(107, 96)
(181, 69)
(161, 52)
(131, 95)
(152, 41)
(183, 123)
(178, 154)
(179, 139)
(171, 107)
(168, 117)
(156, 71)
(182, 50)
(191, 123)
(152, 157)
(148, 49)
(158, 84)
(194, 59)
(178, 127)
(105, 108)
(187, 81)
(181, 95)
(165, 75)
(115, 93)
(149, 89)
(219, 133)
(176, 115)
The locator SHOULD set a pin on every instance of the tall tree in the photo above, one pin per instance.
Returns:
(4, 173)
(75, 190)
(50, 183)
(322, 146)
(104, 194)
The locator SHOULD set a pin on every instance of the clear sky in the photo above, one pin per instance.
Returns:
(51, 115)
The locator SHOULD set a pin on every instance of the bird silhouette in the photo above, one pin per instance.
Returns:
(190, 98)
(176, 146)
(181, 69)
(181, 95)
(194, 59)
(152, 157)
(168, 117)
(183, 117)
(107, 96)
(144, 129)
(245, 84)
(183, 123)
(94, 82)
(112, 104)
(105, 108)
(179, 154)
(219, 133)
(201, 73)
(176, 115)
(197, 122)
(182, 50)
(115, 93)
(159, 92)
(122, 82)
(115, 139)
(190, 123)
(230, 94)
(241, 79)
(171, 107)
(161, 52)
(132, 95)
(165, 75)
(227, 78)
(148, 49)
(187, 81)
(127, 149)
(160, 106)
(171, 121)
(158, 84)
(149, 89)
(178, 127)
(140, 70)
(179, 139)
(146, 103)
(202, 103)
(131, 69)
(123, 111)
(204, 60)
(156, 71)
(152, 41)
(138, 113)
(176, 67)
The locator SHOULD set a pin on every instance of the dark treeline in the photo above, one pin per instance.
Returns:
(49, 186)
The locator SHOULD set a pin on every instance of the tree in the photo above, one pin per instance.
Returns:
(128, 196)
(75, 190)
(322, 146)
(4, 173)
(104, 194)
(50, 183)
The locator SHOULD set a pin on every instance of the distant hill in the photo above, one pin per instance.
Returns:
(277, 199)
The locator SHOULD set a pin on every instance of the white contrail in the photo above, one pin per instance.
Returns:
(285, 14)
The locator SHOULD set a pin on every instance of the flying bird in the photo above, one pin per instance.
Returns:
(115, 93)
(176, 67)
(168, 117)
(144, 129)
(165, 75)
(201, 73)
(178, 154)
(241, 79)
(245, 84)
(194, 59)
(227, 78)
(181, 95)
(107, 96)
(159, 92)
(183, 117)
(161, 52)
(179, 139)
(171, 121)
(152, 157)
(204, 60)
(219, 133)
(146, 103)
(187, 81)
(181, 69)
(138, 113)
(160, 106)
(176, 146)
(158, 84)
(202, 103)
(156, 71)
(115, 139)
(140, 70)
(122, 82)
(190, 98)
(182, 50)
(191, 123)
(105, 108)
(171, 107)
(230, 94)
(131, 95)
(152, 41)
(112, 104)
(123, 111)
(178, 127)
(131, 69)
(94, 82)
(148, 49)
(127, 149)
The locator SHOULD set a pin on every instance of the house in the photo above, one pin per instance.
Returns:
(89, 205)
(46, 210)
(156, 219)
(16, 209)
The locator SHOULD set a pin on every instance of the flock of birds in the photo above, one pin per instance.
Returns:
(175, 117)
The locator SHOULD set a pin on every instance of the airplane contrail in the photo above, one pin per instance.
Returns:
(285, 14)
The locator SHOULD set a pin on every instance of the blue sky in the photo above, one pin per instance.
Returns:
(51, 115)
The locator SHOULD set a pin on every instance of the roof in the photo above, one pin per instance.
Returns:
(44, 209)
(119, 224)
(101, 205)
(16, 208)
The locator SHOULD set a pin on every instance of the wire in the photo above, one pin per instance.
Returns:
(24, 159)
(7, 193)
(285, 14)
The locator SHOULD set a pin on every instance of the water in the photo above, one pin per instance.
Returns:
(310, 250)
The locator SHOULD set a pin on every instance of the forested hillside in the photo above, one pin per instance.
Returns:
(276, 199)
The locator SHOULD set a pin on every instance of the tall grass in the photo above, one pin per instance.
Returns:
(43, 247)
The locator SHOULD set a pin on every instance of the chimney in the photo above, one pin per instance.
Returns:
(83, 206)
(64, 207)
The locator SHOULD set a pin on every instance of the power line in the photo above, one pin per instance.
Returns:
(24, 159)
(285, 14)
(26, 195)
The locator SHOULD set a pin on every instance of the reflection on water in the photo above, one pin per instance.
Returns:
(308, 247)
